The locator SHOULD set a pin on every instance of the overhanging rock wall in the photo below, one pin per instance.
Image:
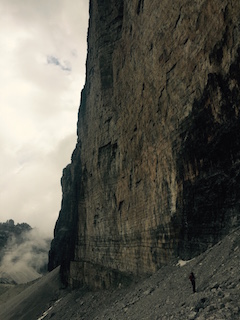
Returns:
(155, 172)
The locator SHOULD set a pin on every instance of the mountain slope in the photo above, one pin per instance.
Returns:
(33, 300)
(165, 295)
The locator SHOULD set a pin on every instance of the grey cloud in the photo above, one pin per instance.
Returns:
(65, 65)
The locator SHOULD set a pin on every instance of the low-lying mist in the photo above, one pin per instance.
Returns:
(24, 257)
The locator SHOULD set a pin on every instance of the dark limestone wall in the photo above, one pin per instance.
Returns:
(155, 172)
(65, 232)
(208, 161)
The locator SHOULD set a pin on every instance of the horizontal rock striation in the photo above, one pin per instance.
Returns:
(155, 172)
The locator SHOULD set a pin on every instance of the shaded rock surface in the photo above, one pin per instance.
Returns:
(155, 173)
(165, 295)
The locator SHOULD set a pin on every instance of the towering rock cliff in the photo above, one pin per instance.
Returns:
(156, 169)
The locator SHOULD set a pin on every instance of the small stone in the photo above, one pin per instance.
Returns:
(192, 315)
(201, 317)
(220, 294)
(210, 308)
(147, 292)
(228, 305)
(236, 309)
(215, 285)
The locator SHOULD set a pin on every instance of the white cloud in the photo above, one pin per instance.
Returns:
(23, 260)
(43, 52)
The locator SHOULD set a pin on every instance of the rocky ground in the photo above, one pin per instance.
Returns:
(165, 295)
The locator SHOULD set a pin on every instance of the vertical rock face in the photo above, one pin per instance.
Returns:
(156, 170)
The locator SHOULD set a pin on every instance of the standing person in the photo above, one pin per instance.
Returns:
(193, 281)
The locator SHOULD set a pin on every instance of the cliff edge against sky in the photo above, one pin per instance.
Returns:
(156, 169)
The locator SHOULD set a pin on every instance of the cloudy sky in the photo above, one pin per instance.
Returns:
(42, 62)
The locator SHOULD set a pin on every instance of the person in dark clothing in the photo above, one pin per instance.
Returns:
(193, 281)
